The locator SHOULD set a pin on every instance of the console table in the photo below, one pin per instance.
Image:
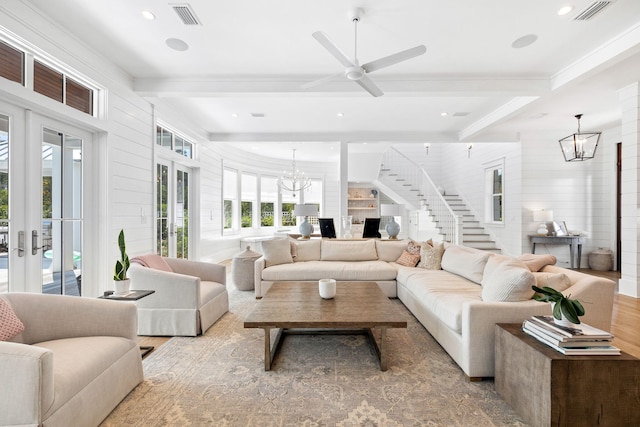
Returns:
(572, 241)
(548, 388)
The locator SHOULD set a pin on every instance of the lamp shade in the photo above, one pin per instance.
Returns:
(390, 210)
(543, 216)
(305, 210)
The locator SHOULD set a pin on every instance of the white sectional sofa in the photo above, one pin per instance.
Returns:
(72, 364)
(459, 304)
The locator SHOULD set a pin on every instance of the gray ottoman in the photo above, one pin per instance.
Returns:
(242, 269)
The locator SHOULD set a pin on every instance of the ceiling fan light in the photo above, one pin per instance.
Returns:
(354, 73)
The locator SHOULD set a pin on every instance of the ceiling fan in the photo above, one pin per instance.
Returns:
(354, 71)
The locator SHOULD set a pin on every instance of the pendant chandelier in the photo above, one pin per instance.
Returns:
(295, 180)
(579, 146)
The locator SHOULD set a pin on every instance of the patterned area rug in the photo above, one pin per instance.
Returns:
(317, 380)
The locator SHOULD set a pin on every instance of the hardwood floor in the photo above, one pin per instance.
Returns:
(624, 324)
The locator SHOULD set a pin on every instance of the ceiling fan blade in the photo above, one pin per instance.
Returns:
(372, 66)
(323, 39)
(369, 86)
(321, 81)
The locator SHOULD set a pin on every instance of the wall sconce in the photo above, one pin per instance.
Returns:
(469, 147)
(579, 146)
(426, 148)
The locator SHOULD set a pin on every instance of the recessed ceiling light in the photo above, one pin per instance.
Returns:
(177, 44)
(444, 114)
(524, 41)
(340, 114)
(234, 115)
(148, 15)
(564, 10)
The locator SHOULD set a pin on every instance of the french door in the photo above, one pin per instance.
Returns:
(173, 186)
(42, 200)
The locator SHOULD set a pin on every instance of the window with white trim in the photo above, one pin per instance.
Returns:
(169, 139)
(230, 198)
(494, 193)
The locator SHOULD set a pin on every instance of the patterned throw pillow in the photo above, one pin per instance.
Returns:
(10, 325)
(413, 247)
(408, 259)
(431, 256)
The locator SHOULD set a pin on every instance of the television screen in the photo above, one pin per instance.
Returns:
(371, 226)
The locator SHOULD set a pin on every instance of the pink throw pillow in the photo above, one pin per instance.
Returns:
(10, 325)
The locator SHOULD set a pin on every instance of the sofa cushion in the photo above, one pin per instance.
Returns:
(507, 280)
(208, 291)
(441, 292)
(408, 259)
(464, 261)
(348, 250)
(431, 256)
(390, 250)
(557, 281)
(10, 325)
(276, 251)
(339, 270)
(307, 250)
(537, 262)
(154, 261)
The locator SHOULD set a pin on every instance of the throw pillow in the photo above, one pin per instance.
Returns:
(276, 251)
(307, 250)
(557, 281)
(465, 261)
(413, 247)
(509, 280)
(408, 259)
(537, 262)
(154, 261)
(10, 325)
(348, 250)
(431, 256)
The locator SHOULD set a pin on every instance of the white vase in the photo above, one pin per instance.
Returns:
(121, 286)
(327, 288)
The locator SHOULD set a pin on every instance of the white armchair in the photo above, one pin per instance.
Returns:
(76, 359)
(187, 300)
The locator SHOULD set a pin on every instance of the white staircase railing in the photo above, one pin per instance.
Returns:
(416, 186)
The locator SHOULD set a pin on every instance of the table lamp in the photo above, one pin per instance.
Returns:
(542, 216)
(306, 211)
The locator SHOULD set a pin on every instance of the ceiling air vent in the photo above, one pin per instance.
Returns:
(186, 14)
(592, 10)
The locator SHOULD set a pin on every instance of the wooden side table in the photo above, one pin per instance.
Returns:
(560, 240)
(547, 388)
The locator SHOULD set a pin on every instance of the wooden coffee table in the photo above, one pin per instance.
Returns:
(296, 307)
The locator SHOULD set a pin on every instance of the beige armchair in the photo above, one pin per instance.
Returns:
(187, 300)
(76, 359)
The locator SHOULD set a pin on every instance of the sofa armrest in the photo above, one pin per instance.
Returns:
(206, 271)
(172, 290)
(50, 317)
(595, 293)
(26, 375)
(258, 266)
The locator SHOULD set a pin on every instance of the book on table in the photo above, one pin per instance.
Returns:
(586, 340)
(579, 332)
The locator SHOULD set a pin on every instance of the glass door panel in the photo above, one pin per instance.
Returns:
(60, 235)
(162, 201)
(172, 210)
(182, 214)
(4, 203)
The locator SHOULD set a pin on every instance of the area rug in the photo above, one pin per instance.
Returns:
(317, 380)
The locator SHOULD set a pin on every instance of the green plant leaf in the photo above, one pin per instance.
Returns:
(569, 310)
(578, 306)
(557, 311)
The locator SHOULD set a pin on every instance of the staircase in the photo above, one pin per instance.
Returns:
(408, 184)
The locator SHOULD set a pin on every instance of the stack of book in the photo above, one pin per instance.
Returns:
(572, 341)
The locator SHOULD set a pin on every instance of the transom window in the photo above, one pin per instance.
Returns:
(168, 139)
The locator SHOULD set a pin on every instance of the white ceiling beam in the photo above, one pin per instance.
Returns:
(501, 113)
(407, 86)
(335, 136)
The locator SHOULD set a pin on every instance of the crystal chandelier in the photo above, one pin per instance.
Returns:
(295, 180)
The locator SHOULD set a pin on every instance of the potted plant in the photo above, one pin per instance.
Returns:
(120, 279)
(565, 309)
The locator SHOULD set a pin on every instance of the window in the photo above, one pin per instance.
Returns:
(11, 63)
(47, 81)
(249, 196)
(167, 139)
(268, 200)
(229, 195)
(494, 190)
